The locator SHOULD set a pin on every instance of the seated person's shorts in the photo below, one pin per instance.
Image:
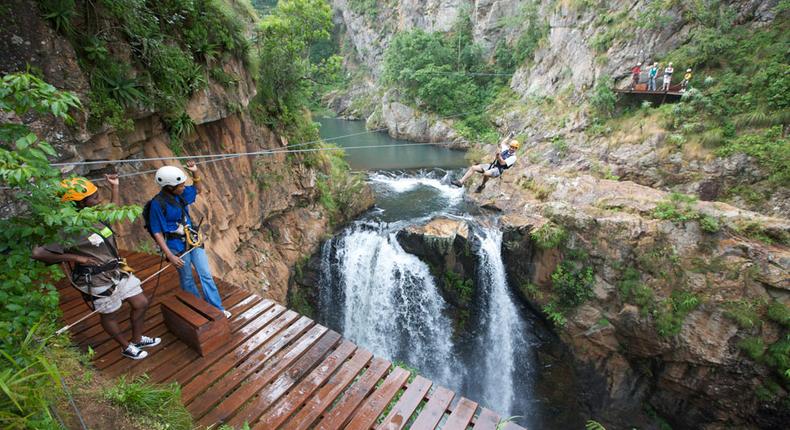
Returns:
(493, 172)
(127, 287)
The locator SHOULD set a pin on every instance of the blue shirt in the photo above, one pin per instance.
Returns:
(167, 220)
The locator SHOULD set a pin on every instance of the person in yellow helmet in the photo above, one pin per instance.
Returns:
(505, 159)
(98, 273)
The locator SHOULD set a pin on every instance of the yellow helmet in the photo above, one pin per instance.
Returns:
(77, 188)
(514, 143)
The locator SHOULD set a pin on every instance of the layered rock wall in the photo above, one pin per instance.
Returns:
(260, 213)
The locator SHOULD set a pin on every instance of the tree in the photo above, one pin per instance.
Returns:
(287, 74)
(27, 294)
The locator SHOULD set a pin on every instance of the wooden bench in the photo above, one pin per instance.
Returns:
(198, 324)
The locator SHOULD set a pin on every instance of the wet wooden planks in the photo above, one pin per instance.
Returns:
(277, 369)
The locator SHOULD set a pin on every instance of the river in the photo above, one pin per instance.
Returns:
(386, 300)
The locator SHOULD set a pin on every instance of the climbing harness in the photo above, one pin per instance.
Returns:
(66, 327)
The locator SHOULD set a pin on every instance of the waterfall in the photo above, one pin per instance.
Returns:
(390, 303)
(504, 335)
(387, 301)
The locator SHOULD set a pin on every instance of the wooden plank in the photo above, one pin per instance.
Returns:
(510, 425)
(202, 406)
(330, 391)
(197, 363)
(187, 315)
(434, 410)
(461, 416)
(246, 360)
(168, 349)
(289, 404)
(366, 415)
(487, 420)
(401, 412)
(158, 330)
(277, 388)
(352, 398)
(111, 359)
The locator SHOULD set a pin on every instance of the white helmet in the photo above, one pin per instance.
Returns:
(170, 175)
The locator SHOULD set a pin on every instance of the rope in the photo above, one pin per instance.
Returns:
(287, 149)
(71, 401)
(84, 317)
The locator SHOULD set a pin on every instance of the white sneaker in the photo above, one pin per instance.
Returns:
(134, 352)
(147, 342)
(227, 314)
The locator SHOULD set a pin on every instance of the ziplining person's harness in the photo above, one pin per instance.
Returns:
(501, 167)
(82, 274)
(502, 154)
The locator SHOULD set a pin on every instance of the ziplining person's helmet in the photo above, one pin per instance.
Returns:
(77, 189)
(170, 175)
(514, 144)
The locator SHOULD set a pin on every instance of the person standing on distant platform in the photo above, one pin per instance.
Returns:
(651, 77)
(685, 82)
(635, 72)
(667, 77)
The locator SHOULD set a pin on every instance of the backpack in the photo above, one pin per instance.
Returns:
(162, 204)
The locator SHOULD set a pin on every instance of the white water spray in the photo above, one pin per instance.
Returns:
(392, 306)
(503, 329)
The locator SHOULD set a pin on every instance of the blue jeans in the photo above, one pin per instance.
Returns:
(198, 259)
(651, 85)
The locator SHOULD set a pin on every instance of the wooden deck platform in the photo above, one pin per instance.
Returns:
(277, 370)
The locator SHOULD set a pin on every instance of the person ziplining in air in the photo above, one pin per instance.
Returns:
(505, 159)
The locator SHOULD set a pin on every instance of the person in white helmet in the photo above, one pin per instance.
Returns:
(169, 221)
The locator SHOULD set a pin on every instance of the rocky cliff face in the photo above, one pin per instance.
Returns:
(687, 364)
(260, 214)
(550, 91)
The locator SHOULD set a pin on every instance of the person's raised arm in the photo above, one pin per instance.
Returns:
(196, 180)
(115, 193)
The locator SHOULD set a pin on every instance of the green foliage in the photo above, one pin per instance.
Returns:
(465, 288)
(709, 224)
(171, 43)
(532, 30)
(43, 218)
(27, 379)
(754, 347)
(299, 302)
(549, 235)
(746, 88)
(446, 74)
(555, 314)
(153, 404)
(744, 313)
(59, 13)
(633, 290)
(560, 145)
(603, 98)
(287, 80)
(338, 189)
(680, 208)
(594, 425)
(779, 313)
(572, 284)
(771, 149)
(671, 312)
(179, 127)
(364, 7)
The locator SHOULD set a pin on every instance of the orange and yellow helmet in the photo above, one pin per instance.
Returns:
(77, 189)
(514, 144)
